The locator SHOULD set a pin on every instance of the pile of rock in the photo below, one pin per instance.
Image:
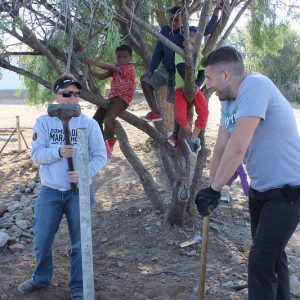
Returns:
(17, 219)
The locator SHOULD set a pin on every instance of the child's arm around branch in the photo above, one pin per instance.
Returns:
(110, 69)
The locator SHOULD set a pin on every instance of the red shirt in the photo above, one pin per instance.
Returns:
(123, 84)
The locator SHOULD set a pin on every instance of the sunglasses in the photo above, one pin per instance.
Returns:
(68, 94)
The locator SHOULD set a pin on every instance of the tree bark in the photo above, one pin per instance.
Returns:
(167, 109)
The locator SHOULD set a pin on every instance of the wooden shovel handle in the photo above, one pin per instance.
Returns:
(203, 258)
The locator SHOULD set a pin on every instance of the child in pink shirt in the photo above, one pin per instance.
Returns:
(120, 94)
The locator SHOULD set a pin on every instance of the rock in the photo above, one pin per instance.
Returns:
(3, 210)
(28, 190)
(32, 185)
(247, 245)
(16, 247)
(227, 284)
(16, 196)
(236, 259)
(215, 227)
(29, 219)
(158, 223)
(18, 216)
(15, 228)
(16, 234)
(181, 252)
(192, 253)
(170, 243)
(23, 224)
(25, 200)
(246, 216)
(3, 239)
(6, 225)
(120, 264)
(27, 211)
(27, 235)
(12, 208)
(12, 240)
(22, 188)
(295, 285)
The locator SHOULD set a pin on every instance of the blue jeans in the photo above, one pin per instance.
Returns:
(274, 216)
(50, 207)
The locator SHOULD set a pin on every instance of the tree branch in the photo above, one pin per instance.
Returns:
(153, 32)
(234, 22)
(23, 53)
(6, 65)
(144, 175)
(201, 26)
(37, 45)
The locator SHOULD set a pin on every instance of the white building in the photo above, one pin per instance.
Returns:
(11, 86)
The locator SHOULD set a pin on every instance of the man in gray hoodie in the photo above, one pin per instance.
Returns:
(56, 198)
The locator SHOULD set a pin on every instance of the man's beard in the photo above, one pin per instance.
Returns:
(225, 95)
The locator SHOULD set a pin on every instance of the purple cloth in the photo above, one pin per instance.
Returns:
(243, 176)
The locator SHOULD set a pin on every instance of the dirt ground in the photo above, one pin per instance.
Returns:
(136, 253)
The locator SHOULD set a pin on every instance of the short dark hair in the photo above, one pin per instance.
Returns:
(175, 10)
(226, 54)
(124, 48)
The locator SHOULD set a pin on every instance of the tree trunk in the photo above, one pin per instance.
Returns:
(168, 110)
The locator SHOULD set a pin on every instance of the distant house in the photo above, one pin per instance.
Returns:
(11, 86)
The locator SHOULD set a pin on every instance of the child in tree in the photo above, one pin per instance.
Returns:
(120, 94)
(180, 106)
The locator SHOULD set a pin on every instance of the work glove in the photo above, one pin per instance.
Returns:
(206, 200)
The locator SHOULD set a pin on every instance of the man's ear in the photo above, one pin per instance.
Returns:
(227, 75)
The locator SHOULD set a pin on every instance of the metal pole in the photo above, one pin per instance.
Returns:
(203, 258)
(85, 215)
(18, 133)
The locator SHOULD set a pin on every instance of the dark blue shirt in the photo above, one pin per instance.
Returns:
(166, 56)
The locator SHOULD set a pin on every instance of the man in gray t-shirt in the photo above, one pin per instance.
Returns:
(257, 125)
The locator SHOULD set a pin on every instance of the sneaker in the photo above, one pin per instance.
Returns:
(193, 147)
(112, 143)
(225, 194)
(152, 117)
(198, 145)
(108, 150)
(27, 287)
(172, 140)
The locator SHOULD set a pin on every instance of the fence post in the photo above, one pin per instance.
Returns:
(85, 215)
(18, 133)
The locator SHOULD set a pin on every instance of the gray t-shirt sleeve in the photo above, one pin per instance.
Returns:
(253, 99)
(222, 120)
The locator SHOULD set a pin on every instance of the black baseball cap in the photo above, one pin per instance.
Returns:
(64, 82)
